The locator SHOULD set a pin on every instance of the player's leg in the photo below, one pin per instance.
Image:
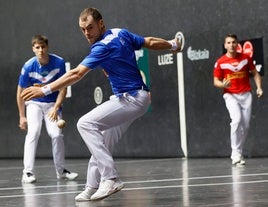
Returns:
(34, 124)
(55, 133)
(234, 110)
(93, 180)
(58, 148)
(112, 113)
(111, 137)
(246, 108)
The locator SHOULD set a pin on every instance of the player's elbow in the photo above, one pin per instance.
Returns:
(78, 73)
(148, 43)
(216, 82)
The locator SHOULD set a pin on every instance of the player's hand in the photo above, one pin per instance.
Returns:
(226, 83)
(179, 49)
(23, 123)
(259, 92)
(32, 92)
(53, 115)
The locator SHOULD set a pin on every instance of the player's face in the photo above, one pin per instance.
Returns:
(40, 50)
(91, 29)
(231, 45)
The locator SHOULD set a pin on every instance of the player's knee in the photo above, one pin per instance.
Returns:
(32, 136)
(56, 136)
(84, 124)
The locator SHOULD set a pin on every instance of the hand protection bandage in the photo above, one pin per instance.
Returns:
(174, 45)
(46, 89)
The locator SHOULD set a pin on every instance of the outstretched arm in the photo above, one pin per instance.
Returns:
(69, 78)
(155, 43)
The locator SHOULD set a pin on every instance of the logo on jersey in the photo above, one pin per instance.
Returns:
(237, 75)
(44, 79)
(234, 66)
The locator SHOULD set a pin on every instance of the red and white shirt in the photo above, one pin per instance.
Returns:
(237, 69)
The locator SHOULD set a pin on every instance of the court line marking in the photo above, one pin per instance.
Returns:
(139, 181)
(197, 185)
(143, 188)
(117, 161)
(197, 178)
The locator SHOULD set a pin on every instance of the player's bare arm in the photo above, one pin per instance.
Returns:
(69, 78)
(257, 79)
(21, 108)
(53, 114)
(155, 43)
(225, 83)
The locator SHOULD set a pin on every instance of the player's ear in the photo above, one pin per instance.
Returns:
(224, 44)
(101, 23)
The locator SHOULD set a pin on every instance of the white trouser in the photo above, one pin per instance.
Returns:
(239, 107)
(36, 112)
(102, 127)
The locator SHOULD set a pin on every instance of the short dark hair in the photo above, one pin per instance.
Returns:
(232, 35)
(39, 39)
(90, 11)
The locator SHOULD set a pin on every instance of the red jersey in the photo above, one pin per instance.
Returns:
(237, 70)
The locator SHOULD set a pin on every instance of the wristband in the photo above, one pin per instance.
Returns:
(174, 45)
(46, 90)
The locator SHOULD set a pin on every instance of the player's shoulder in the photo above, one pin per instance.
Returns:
(109, 35)
(56, 57)
(117, 32)
(30, 63)
(222, 58)
(56, 60)
(243, 56)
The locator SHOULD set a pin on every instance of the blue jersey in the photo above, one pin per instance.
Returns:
(32, 73)
(115, 53)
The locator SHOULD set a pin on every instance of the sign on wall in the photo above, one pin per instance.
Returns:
(254, 48)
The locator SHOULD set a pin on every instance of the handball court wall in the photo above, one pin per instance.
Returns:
(157, 134)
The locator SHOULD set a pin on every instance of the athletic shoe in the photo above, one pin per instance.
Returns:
(28, 178)
(67, 175)
(106, 188)
(238, 161)
(85, 195)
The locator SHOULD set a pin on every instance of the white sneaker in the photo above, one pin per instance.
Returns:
(28, 178)
(238, 161)
(85, 195)
(67, 175)
(106, 188)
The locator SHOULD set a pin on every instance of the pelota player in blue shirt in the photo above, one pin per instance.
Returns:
(40, 70)
(113, 50)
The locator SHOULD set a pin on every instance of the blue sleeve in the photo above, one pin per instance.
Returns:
(137, 41)
(62, 68)
(98, 53)
(24, 79)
